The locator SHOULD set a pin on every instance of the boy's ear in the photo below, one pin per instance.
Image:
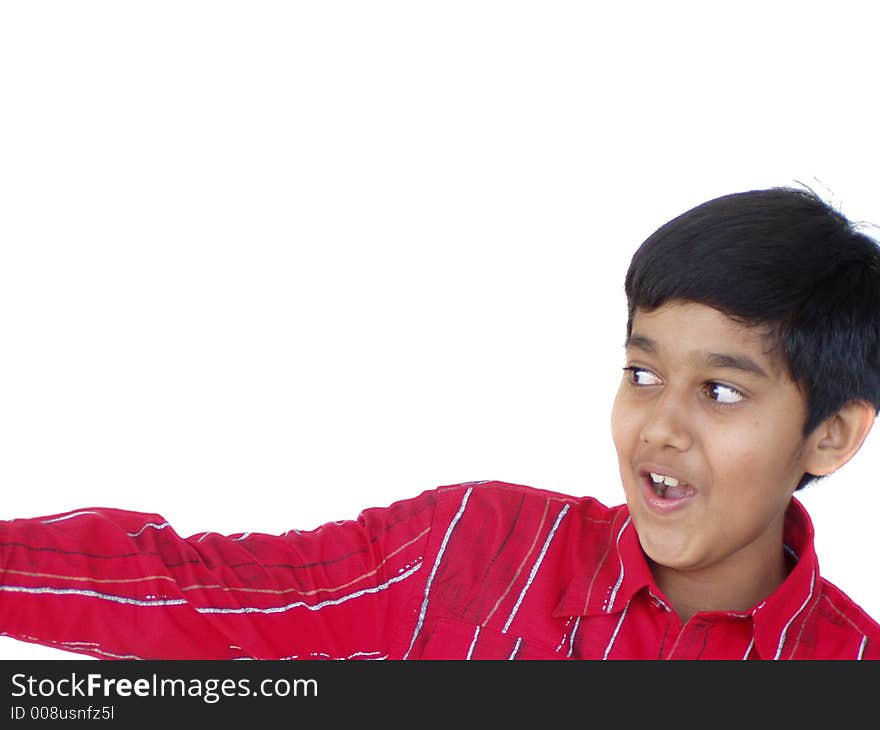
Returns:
(836, 440)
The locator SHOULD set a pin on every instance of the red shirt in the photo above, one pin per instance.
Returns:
(482, 570)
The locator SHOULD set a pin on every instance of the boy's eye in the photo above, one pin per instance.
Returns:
(640, 376)
(722, 394)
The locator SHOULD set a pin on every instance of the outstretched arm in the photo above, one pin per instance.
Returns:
(117, 584)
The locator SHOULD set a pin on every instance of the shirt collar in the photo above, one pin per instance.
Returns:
(780, 616)
(622, 571)
(607, 586)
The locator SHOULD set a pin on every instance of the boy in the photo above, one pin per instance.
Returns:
(752, 368)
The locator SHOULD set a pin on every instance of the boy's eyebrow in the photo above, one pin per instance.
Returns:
(713, 359)
(735, 362)
(640, 342)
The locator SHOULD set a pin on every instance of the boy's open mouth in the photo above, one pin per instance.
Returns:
(667, 487)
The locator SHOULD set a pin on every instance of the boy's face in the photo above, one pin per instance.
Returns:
(706, 404)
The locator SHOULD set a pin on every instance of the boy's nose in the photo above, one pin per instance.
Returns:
(667, 424)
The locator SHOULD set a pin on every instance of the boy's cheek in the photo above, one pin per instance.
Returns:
(624, 424)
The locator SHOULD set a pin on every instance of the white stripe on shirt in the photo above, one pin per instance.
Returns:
(315, 606)
(92, 594)
(473, 642)
(424, 609)
(616, 629)
(535, 568)
(803, 606)
(610, 604)
(571, 638)
(515, 648)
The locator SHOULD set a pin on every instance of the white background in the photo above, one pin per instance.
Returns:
(263, 265)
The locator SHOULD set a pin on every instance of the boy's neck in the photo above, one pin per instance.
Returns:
(720, 588)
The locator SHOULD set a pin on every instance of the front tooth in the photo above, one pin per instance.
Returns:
(670, 481)
(656, 478)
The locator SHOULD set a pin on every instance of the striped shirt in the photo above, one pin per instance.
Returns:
(481, 570)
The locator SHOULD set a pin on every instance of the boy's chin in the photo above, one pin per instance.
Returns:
(667, 551)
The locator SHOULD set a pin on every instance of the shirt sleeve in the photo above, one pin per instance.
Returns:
(117, 584)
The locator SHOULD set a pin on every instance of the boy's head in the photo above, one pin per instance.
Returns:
(785, 262)
(752, 366)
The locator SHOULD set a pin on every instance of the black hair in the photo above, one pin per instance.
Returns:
(785, 259)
